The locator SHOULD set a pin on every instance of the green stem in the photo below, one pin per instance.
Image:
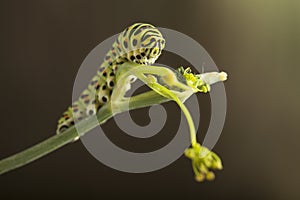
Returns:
(36, 151)
(152, 83)
(169, 94)
(57, 141)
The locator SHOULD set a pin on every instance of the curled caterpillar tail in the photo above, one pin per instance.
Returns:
(65, 121)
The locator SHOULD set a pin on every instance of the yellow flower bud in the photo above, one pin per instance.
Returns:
(210, 176)
(200, 177)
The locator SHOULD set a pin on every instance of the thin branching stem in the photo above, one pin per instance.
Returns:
(159, 95)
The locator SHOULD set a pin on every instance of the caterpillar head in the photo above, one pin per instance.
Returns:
(143, 43)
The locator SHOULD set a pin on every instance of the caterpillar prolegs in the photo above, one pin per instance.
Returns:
(140, 43)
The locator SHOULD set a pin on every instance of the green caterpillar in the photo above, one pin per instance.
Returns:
(140, 43)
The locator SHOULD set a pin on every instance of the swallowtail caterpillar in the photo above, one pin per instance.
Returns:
(140, 43)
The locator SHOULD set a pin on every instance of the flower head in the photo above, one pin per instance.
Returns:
(203, 160)
(194, 81)
(201, 82)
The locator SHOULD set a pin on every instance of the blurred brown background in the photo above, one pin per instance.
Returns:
(257, 42)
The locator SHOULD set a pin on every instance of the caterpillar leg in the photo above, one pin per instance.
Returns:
(110, 78)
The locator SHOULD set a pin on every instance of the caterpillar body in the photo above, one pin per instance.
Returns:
(140, 43)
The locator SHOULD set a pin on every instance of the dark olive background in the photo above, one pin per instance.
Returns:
(257, 42)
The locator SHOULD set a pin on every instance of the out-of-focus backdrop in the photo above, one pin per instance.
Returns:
(256, 42)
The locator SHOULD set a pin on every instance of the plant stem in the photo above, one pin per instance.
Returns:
(168, 94)
(57, 141)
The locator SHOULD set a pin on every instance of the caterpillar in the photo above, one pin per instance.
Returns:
(139, 43)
